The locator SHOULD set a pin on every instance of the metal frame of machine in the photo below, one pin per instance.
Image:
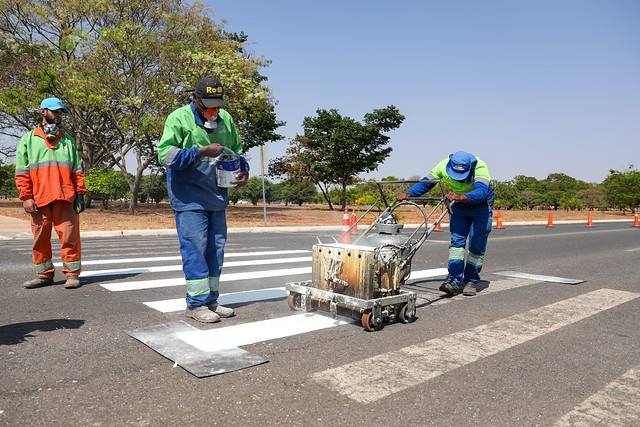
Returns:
(365, 278)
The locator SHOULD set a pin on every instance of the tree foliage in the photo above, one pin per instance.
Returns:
(622, 189)
(334, 149)
(106, 184)
(121, 66)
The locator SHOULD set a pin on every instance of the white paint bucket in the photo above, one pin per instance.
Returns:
(227, 167)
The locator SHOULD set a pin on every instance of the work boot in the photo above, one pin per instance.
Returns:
(38, 282)
(470, 289)
(202, 314)
(72, 282)
(220, 310)
(449, 288)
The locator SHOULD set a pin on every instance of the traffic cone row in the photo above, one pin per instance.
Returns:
(346, 234)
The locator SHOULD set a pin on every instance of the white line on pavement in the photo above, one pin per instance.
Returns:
(249, 333)
(617, 404)
(178, 304)
(165, 268)
(366, 380)
(179, 258)
(161, 283)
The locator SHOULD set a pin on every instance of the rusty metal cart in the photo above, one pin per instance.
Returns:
(365, 278)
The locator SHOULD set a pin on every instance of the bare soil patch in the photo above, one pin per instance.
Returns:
(160, 216)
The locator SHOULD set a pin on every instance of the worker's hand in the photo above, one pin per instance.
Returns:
(241, 179)
(401, 197)
(78, 203)
(455, 197)
(30, 206)
(213, 150)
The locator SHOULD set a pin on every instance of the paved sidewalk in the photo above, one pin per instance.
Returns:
(12, 228)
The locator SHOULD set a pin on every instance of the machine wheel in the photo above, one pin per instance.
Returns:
(407, 316)
(294, 301)
(367, 322)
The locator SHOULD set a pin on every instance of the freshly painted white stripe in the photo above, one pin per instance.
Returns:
(617, 404)
(367, 380)
(165, 268)
(249, 333)
(538, 277)
(423, 274)
(178, 304)
(179, 258)
(160, 283)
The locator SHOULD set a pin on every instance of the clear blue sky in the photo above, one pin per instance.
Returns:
(531, 87)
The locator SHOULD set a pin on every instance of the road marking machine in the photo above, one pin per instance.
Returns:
(365, 278)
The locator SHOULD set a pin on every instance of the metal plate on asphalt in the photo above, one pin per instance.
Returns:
(164, 340)
(538, 277)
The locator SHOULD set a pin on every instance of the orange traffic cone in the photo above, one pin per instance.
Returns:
(550, 222)
(635, 221)
(499, 221)
(438, 227)
(346, 234)
(353, 223)
(590, 221)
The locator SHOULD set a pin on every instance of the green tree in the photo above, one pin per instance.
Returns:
(107, 184)
(593, 197)
(121, 67)
(334, 149)
(623, 188)
(296, 190)
(7, 181)
(153, 187)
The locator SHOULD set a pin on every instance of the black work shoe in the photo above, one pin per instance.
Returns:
(470, 289)
(449, 288)
(38, 282)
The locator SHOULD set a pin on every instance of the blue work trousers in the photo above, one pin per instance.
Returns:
(202, 236)
(476, 225)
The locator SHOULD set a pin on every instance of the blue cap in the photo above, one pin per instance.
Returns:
(460, 165)
(53, 104)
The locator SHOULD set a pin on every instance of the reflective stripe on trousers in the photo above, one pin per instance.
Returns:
(60, 216)
(202, 236)
(474, 224)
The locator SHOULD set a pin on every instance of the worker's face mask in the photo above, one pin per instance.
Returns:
(211, 114)
(50, 131)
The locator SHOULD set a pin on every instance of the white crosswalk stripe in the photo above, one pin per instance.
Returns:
(365, 381)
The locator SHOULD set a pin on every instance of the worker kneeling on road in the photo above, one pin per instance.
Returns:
(471, 217)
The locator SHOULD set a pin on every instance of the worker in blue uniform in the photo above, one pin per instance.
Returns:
(471, 217)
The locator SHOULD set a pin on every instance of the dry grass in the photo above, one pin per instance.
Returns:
(160, 216)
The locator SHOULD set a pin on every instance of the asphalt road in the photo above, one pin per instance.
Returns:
(525, 351)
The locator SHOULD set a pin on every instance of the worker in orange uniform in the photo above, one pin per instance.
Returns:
(51, 184)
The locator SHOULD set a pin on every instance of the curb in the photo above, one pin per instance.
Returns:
(337, 228)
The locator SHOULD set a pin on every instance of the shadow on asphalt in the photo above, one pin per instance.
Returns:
(19, 332)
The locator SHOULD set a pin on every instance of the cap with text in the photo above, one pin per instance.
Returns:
(210, 92)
